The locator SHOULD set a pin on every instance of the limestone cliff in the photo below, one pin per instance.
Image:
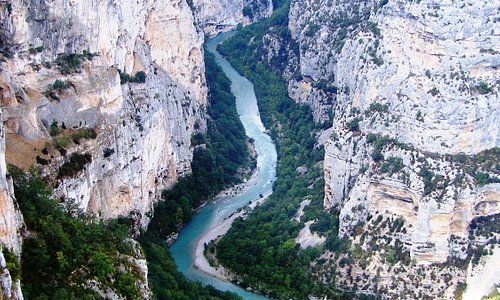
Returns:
(223, 15)
(11, 228)
(141, 129)
(412, 160)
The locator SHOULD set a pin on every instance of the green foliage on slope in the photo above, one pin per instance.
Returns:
(169, 284)
(62, 252)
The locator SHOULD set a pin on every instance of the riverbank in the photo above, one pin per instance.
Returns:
(217, 231)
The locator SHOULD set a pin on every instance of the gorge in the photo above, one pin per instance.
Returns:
(384, 115)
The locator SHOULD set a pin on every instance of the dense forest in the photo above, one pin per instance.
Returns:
(262, 248)
(66, 248)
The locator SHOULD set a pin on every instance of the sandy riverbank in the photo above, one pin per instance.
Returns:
(218, 230)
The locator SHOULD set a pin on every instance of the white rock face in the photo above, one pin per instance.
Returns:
(11, 227)
(224, 15)
(424, 74)
(146, 127)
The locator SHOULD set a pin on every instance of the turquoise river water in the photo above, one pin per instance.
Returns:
(183, 250)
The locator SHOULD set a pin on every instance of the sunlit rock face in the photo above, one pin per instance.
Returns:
(11, 227)
(223, 15)
(415, 134)
(143, 129)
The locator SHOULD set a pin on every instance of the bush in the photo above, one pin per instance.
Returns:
(54, 129)
(71, 62)
(392, 165)
(62, 141)
(377, 107)
(483, 88)
(482, 178)
(59, 85)
(140, 77)
(75, 164)
(107, 152)
(353, 125)
(434, 91)
(83, 133)
(13, 264)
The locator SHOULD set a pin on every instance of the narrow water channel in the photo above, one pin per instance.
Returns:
(212, 214)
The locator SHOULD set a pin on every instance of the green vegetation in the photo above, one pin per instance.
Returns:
(68, 63)
(262, 249)
(67, 248)
(62, 137)
(54, 129)
(459, 291)
(12, 263)
(374, 29)
(434, 91)
(483, 88)
(83, 133)
(353, 125)
(64, 252)
(140, 77)
(75, 164)
(59, 85)
(107, 152)
(431, 180)
(169, 284)
(392, 165)
(214, 168)
(377, 107)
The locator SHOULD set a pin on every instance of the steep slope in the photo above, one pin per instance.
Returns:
(11, 230)
(413, 158)
(223, 15)
(143, 129)
(104, 98)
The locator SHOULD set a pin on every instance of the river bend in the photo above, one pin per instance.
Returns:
(214, 213)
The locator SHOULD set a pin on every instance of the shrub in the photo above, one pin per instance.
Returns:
(392, 165)
(62, 141)
(13, 264)
(59, 85)
(482, 178)
(353, 125)
(54, 129)
(140, 77)
(83, 133)
(483, 88)
(75, 164)
(71, 62)
(377, 107)
(377, 155)
(434, 91)
(107, 152)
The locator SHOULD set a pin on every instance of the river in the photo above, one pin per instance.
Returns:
(214, 213)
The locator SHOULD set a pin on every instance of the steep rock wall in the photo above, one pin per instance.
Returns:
(415, 136)
(11, 227)
(223, 15)
(143, 129)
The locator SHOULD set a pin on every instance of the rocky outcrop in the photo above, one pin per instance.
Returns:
(224, 15)
(11, 228)
(415, 132)
(143, 129)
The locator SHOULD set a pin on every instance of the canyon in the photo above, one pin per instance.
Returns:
(105, 97)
